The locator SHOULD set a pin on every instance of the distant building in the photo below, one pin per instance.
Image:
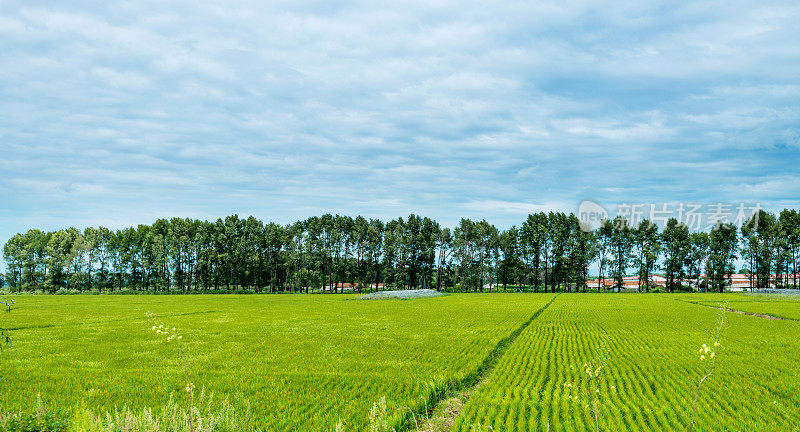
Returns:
(737, 281)
(347, 286)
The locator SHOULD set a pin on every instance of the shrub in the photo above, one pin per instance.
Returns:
(43, 420)
(64, 291)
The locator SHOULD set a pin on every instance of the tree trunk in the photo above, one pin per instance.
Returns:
(600, 279)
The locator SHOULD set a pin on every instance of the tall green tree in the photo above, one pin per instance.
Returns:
(443, 257)
(723, 245)
(676, 246)
(466, 249)
(534, 246)
(760, 233)
(509, 263)
(604, 236)
(698, 255)
(790, 222)
(621, 245)
(647, 249)
(583, 250)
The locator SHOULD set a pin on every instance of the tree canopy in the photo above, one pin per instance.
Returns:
(333, 253)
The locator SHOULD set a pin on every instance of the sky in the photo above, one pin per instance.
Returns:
(119, 113)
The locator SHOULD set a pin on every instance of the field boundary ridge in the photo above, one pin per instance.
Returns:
(444, 403)
(752, 314)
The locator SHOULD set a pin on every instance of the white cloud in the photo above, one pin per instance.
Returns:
(125, 112)
(492, 207)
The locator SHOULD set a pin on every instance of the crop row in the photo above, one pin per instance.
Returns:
(650, 372)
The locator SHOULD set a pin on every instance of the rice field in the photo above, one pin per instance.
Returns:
(651, 371)
(300, 362)
(304, 363)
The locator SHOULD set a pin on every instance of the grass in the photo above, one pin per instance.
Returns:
(208, 415)
(301, 362)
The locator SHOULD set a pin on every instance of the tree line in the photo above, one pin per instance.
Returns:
(547, 252)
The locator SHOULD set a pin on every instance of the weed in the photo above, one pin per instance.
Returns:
(171, 335)
(207, 416)
(709, 353)
(594, 370)
(42, 420)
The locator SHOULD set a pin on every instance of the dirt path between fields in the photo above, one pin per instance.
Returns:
(765, 316)
(753, 314)
(443, 414)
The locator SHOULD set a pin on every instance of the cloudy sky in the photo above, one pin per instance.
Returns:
(117, 113)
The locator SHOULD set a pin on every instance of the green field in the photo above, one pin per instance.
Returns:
(302, 363)
(651, 374)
